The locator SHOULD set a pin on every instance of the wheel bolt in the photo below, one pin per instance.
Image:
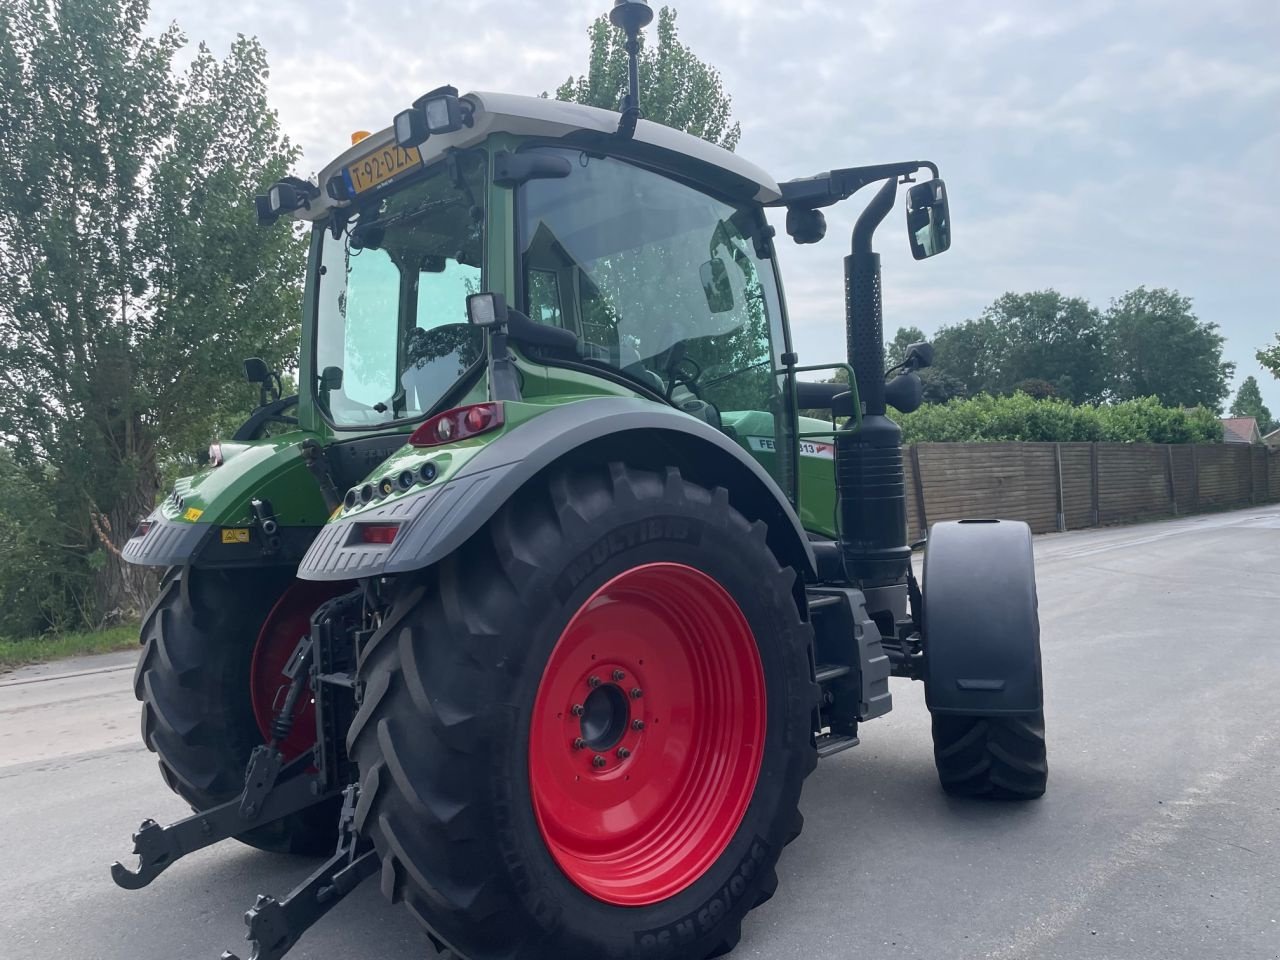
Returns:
(598, 761)
(637, 724)
(636, 693)
(593, 682)
(623, 753)
(619, 676)
(579, 743)
(578, 710)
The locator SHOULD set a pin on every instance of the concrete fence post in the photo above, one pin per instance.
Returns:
(1062, 506)
(919, 487)
(1093, 473)
(1195, 478)
(1173, 489)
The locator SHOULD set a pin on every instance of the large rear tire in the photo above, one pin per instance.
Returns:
(206, 659)
(585, 733)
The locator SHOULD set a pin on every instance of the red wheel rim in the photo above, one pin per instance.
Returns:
(647, 734)
(286, 624)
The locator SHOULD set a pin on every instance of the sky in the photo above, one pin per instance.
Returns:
(1091, 147)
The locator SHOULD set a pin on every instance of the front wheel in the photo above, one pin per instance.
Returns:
(585, 734)
(1000, 758)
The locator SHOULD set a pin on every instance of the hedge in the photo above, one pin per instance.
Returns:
(1021, 417)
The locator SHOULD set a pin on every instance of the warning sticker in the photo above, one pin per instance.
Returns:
(239, 535)
(193, 514)
(808, 448)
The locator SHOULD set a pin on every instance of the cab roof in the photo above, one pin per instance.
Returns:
(577, 124)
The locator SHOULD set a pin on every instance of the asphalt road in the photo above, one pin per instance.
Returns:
(1159, 836)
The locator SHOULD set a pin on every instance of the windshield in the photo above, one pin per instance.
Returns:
(658, 280)
(392, 333)
(666, 285)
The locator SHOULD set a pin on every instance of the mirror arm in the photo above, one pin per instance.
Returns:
(828, 188)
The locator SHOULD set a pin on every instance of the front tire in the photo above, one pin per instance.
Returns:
(519, 809)
(999, 758)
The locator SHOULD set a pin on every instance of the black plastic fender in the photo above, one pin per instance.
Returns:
(437, 521)
(981, 625)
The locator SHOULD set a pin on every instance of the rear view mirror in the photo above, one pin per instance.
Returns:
(928, 219)
(256, 371)
(331, 379)
(919, 356)
(716, 286)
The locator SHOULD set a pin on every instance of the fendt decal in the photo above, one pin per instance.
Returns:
(819, 451)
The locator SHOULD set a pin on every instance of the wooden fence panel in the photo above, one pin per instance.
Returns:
(1133, 482)
(1258, 463)
(1225, 479)
(1077, 484)
(1019, 481)
(1011, 480)
(1184, 481)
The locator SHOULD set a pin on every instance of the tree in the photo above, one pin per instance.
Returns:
(676, 88)
(133, 279)
(1269, 357)
(1157, 347)
(1052, 339)
(974, 353)
(895, 350)
(1248, 403)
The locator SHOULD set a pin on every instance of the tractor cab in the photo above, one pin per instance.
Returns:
(637, 266)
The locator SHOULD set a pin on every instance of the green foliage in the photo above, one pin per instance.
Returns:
(1248, 403)
(1022, 417)
(676, 88)
(56, 646)
(1269, 357)
(1043, 339)
(134, 279)
(895, 350)
(1148, 343)
(45, 578)
(1157, 347)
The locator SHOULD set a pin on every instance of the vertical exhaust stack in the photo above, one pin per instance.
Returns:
(869, 472)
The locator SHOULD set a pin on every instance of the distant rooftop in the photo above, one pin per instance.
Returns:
(1240, 430)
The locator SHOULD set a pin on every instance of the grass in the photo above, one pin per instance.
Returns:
(17, 653)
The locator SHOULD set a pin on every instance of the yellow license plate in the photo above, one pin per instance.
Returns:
(382, 165)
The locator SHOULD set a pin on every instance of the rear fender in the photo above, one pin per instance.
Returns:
(981, 626)
(438, 520)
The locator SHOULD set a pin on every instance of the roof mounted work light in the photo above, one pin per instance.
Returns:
(285, 197)
(438, 112)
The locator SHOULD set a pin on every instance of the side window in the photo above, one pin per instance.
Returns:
(442, 344)
(544, 298)
(443, 287)
(370, 305)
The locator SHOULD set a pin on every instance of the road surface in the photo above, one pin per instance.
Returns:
(1159, 836)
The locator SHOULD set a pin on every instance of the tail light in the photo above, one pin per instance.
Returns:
(379, 533)
(460, 423)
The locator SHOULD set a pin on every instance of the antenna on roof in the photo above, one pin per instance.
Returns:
(632, 16)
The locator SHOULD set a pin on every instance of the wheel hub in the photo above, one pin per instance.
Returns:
(647, 734)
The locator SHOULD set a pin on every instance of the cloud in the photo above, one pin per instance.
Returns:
(1090, 146)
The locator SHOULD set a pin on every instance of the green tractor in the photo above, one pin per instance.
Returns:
(545, 599)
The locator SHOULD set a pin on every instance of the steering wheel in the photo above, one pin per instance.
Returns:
(676, 375)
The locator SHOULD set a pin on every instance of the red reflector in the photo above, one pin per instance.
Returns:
(459, 424)
(378, 533)
(143, 529)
